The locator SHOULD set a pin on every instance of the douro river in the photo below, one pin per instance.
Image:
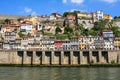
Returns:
(59, 73)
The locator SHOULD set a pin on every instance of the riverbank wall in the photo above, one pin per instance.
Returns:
(59, 58)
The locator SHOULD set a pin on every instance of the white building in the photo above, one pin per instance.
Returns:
(26, 26)
(108, 39)
(55, 16)
(99, 15)
(24, 44)
(109, 45)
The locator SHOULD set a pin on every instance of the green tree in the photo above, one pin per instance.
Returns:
(2, 22)
(80, 27)
(76, 33)
(7, 21)
(68, 30)
(21, 34)
(57, 30)
(98, 26)
(28, 34)
(70, 13)
(42, 32)
(93, 32)
(116, 30)
(85, 32)
(65, 14)
(19, 19)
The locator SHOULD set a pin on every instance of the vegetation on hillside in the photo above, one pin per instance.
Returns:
(6, 21)
(69, 13)
(21, 34)
(98, 27)
(58, 30)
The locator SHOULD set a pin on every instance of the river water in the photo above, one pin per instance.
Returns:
(57, 73)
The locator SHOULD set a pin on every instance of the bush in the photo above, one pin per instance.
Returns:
(58, 30)
(20, 34)
(113, 62)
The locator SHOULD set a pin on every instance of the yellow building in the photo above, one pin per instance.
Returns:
(82, 46)
(34, 20)
(84, 15)
(117, 43)
(107, 17)
(83, 42)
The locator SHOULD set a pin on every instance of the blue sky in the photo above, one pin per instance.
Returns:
(46, 7)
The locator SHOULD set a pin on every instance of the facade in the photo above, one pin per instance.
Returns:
(55, 16)
(6, 45)
(84, 15)
(94, 17)
(33, 44)
(66, 45)
(99, 15)
(58, 45)
(99, 43)
(74, 43)
(83, 44)
(107, 17)
(37, 35)
(24, 43)
(34, 20)
(91, 42)
(18, 44)
(47, 43)
(10, 38)
(26, 27)
(108, 39)
(117, 43)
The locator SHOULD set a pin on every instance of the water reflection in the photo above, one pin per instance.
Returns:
(45, 73)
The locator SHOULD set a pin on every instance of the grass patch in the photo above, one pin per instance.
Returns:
(61, 36)
(49, 34)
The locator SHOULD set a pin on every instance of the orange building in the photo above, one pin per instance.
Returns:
(107, 17)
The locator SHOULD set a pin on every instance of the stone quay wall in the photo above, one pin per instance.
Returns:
(59, 57)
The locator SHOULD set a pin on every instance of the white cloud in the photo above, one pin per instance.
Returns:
(27, 10)
(33, 13)
(77, 1)
(109, 1)
(73, 1)
(30, 11)
(64, 1)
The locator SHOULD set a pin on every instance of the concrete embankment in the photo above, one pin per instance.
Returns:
(60, 58)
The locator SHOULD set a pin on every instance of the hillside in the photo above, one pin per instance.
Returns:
(6, 16)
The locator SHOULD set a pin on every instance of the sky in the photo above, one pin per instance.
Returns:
(46, 7)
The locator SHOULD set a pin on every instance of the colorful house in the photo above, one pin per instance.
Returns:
(58, 45)
(48, 43)
(83, 42)
(74, 45)
(107, 17)
(117, 43)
